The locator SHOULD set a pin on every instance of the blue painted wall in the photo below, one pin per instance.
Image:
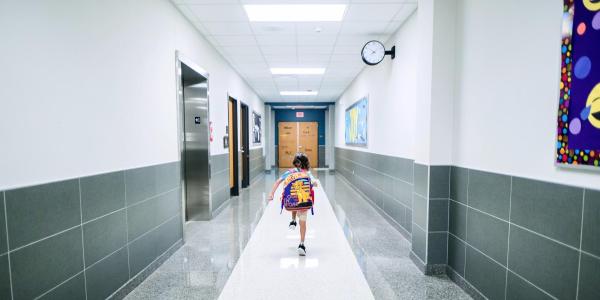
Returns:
(310, 115)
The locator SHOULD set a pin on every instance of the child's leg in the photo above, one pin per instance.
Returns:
(302, 217)
(302, 231)
(293, 215)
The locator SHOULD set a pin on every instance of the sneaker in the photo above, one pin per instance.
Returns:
(301, 250)
(293, 225)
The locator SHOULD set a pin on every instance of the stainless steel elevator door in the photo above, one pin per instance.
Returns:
(196, 152)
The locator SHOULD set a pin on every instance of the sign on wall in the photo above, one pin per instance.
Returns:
(257, 128)
(356, 122)
(578, 134)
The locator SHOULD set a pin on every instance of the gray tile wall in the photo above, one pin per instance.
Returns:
(87, 237)
(517, 238)
(430, 217)
(257, 163)
(219, 180)
(385, 180)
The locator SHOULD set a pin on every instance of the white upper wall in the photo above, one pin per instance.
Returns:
(392, 90)
(90, 87)
(508, 68)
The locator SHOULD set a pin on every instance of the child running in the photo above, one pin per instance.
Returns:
(301, 164)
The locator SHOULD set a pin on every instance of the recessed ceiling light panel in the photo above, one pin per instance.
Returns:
(299, 93)
(295, 12)
(298, 71)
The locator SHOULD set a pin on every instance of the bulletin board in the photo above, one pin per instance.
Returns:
(578, 130)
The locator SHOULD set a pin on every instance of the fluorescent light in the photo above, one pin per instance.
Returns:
(295, 12)
(297, 71)
(299, 93)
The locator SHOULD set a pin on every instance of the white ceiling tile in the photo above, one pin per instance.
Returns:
(276, 40)
(314, 49)
(364, 28)
(269, 28)
(316, 39)
(219, 13)
(405, 11)
(245, 51)
(324, 28)
(275, 60)
(241, 59)
(314, 59)
(355, 40)
(188, 13)
(204, 1)
(235, 40)
(227, 28)
(286, 80)
(276, 50)
(341, 49)
(372, 12)
(292, 1)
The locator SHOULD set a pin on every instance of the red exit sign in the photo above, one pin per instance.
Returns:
(299, 114)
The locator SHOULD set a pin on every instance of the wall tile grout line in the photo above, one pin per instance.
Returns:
(349, 184)
(531, 283)
(59, 285)
(479, 210)
(580, 246)
(154, 228)
(399, 202)
(384, 174)
(467, 282)
(102, 216)
(145, 268)
(126, 224)
(448, 216)
(526, 229)
(82, 240)
(44, 238)
(105, 257)
(508, 240)
(467, 222)
(498, 263)
(7, 245)
(153, 197)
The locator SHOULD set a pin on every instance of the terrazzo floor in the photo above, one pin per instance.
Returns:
(201, 268)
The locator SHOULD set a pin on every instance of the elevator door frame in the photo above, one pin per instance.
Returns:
(234, 184)
(180, 59)
(245, 143)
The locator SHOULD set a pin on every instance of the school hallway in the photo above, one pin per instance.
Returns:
(352, 253)
(456, 145)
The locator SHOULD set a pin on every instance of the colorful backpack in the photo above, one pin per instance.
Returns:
(298, 192)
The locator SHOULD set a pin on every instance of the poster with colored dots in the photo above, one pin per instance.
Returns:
(578, 134)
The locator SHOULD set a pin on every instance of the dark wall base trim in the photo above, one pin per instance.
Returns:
(428, 269)
(219, 209)
(389, 219)
(464, 284)
(134, 282)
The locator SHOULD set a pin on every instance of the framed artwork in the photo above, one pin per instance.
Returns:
(356, 127)
(256, 128)
(578, 131)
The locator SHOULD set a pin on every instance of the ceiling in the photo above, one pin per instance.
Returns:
(253, 48)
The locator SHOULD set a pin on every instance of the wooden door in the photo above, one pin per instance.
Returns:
(308, 141)
(288, 143)
(297, 137)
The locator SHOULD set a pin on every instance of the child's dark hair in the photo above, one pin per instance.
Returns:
(301, 161)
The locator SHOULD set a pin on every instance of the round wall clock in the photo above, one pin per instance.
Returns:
(374, 51)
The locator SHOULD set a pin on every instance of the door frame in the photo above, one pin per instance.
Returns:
(233, 146)
(180, 59)
(245, 138)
